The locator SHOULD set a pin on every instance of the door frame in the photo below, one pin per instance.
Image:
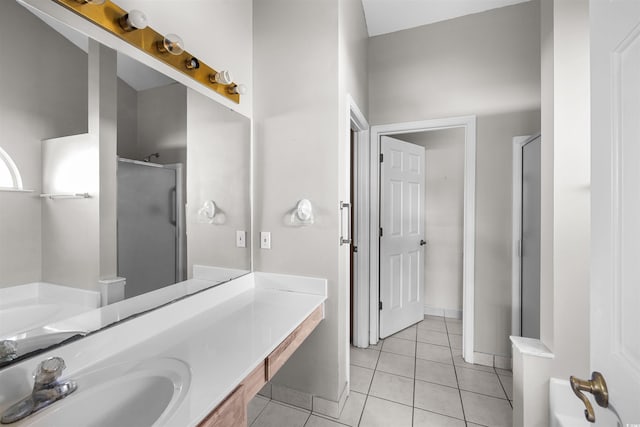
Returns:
(360, 328)
(469, 236)
(516, 233)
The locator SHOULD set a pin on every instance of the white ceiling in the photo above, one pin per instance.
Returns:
(387, 16)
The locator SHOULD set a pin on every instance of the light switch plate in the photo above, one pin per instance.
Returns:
(241, 239)
(265, 240)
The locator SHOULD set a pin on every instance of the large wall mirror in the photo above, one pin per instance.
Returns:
(166, 203)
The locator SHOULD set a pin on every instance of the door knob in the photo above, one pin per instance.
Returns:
(422, 243)
(596, 386)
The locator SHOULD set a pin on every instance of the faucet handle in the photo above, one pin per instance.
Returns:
(49, 370)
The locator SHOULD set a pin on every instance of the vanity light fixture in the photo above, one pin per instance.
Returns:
(192, 63)
(221, 77)
(131, 27)
(172, 43)
(134, 20)
(238, 89)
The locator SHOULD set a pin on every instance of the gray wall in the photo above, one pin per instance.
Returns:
(444, 199)
(43, 82)
(301, 137)
(487, 64)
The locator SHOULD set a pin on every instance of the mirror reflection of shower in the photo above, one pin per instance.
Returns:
(151, 156)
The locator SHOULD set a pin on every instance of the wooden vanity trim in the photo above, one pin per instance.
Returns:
(281, 354)
(233, 410)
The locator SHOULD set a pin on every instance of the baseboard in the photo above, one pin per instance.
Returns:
(443, 312)
(492, 360)
(305, 400)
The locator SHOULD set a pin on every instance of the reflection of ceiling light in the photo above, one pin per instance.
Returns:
(222, 77)
(238, 89)
(192, 64)
(91, 1)
(171, 43)
(134, 20)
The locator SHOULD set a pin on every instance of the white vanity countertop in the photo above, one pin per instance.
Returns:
(222, 334)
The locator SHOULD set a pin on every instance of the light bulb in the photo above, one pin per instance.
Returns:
(171, 43)
(238, 89)
(221, 77)
(134, 20)
(96, 2)
(192, 63)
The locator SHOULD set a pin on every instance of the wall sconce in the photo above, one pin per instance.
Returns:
(302, 214)
(221, 77)
(172, 43)
(210, 213)
(134, 20)
(192, 64)
(91, 1)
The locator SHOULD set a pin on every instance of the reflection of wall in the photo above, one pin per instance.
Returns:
(218, 153)
(43, 94)
(444, 196)
(127, 121)
(486, 64)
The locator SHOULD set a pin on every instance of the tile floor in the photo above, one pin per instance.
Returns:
(414, 378)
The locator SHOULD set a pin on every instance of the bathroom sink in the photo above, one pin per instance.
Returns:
(143, 394)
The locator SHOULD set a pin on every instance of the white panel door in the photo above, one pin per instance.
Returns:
(402, 181)
(615, 143)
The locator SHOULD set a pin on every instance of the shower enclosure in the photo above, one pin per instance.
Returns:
(150, 225)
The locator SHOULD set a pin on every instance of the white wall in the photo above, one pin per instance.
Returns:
(444, 209)
(301, 143)
(487, 64)
(44, 95)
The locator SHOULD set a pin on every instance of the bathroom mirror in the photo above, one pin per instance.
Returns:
(168, 197)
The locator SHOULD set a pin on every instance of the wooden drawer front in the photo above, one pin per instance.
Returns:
(232, 412)
(281, 354)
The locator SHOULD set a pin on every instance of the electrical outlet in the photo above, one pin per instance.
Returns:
(241, 239)
(265, 240)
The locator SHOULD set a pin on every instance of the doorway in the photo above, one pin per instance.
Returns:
(468, 123)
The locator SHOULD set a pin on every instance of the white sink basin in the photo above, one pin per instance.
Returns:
(143, 394)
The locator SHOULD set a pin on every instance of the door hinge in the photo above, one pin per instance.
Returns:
(379, 305)
(381, 157)
(381, 232)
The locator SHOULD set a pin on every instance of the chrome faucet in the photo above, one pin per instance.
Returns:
(46, 390)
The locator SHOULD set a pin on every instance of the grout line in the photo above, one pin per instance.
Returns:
(415, 368)
(464, 415)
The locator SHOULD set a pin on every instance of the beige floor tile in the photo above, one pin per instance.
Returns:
(392, 387)
(377, 346)
(433, 337)
(255, 407)
(429, 419)
(360, 380)
(396, 364)
(352, 411)
(433, 325)
(316, 421)
(459, 362)
(455, 341)
(399, 346)
(486, 410)
(480, 382)
(454, 328)
(435, 372)
(507, 383)
(438, 398)
(405, 334)
(504, 372)
(435, 353)
(382, 413)
(364, 357)
(278, 415)
(430, 317)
